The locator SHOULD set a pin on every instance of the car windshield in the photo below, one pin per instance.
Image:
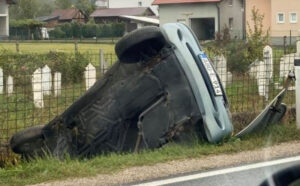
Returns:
(149, 92)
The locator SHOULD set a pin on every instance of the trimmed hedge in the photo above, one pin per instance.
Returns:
(89, 30)
(24, 28)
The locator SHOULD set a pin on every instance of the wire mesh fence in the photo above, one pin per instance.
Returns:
(34, 94)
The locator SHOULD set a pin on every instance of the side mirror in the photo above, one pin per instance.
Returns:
(286, 177)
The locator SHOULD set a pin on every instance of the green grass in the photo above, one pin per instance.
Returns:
(18, 111)
(48, 169)
(60, 47)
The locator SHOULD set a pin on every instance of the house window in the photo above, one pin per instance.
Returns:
(280, 18)
(231, 23)
(230, 3)
(293, 17)
(140, 3)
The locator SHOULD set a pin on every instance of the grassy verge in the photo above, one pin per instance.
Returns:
(48, 169)
(60, 47)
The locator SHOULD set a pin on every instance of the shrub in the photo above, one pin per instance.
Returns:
(106, 30)
(256, 37)
(118, 29)
(236, 60)
(89, 30)
(57, 33)
(24, 28)
(22, 66)
(67, 29)
(76, 29)
(223, 37)
(241, 54)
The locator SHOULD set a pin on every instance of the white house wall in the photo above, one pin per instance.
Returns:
(4, 27)
(176, 12)
(133, 3)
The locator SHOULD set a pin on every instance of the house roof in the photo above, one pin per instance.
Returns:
(142, 19)
(47, 18)
(160, 2)
(66, 14)
(114, 12)
(11, 1)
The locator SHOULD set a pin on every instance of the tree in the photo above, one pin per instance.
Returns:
(257, 38)
(46, 7)
(27, 24)
(63, 4)
(241, 55)
(85, 6)
(25, 9)
(30, 9)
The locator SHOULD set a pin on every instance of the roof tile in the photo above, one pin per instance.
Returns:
(114, 12)
(159, 2)
(67, 14)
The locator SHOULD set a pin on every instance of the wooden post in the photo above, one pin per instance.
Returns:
(37, 88)
(10, 85)
(46, 80)
(57, 84)
(90, 76)
(17, 46)
(1, 81)
(103, 66)
(76, 46)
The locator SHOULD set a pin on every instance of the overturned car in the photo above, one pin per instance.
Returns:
(162, 85)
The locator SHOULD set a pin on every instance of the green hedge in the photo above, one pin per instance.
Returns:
(89, 30)
(25, 29)
(22, 66)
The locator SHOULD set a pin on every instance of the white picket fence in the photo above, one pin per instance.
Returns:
(44, 83)
(262, 71)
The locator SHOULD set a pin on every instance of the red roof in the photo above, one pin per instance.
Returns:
(114, 12)
(67, 14)
(159, 2)
(11, 1)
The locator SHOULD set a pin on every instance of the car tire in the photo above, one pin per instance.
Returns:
(140, 45)
(27, 140)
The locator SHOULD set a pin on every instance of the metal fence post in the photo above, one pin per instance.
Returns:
(284, 44)
(102, 61)
(297, 74)
(290, 37)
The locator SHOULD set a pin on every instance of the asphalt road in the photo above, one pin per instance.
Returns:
(246, 175)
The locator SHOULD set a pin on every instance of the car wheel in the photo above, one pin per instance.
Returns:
(27, 140)
(140, 45)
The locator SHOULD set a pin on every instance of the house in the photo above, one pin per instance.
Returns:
(281, 18)
(51, 21)
(101, 3)
(69, 15)
(4, 17)
(205, 17)
(60, 16)
(133, 18)
(232, 16)
(132, 3)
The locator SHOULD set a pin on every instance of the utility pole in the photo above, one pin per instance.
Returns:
(297, 74)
